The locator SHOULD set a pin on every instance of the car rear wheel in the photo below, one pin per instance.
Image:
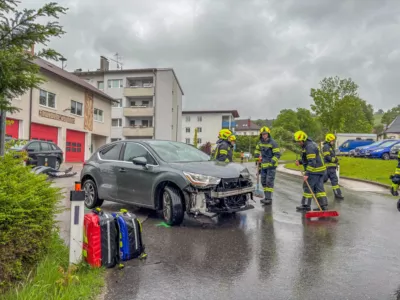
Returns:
(91, 197)
(172, 208)
(385, 156)
(58, 164)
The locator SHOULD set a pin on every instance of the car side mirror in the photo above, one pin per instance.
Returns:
(140, 161)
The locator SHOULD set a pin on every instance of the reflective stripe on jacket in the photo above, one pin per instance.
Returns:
(269, 152)
(311, 159)
(329, 155)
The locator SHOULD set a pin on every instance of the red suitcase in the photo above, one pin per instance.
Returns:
(92, 239)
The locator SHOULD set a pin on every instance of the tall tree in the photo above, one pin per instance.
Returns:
(195, 139)
(389, 116)
(309, 124)
(336, 103)
(287, 119)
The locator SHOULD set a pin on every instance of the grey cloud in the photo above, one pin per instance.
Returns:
(255, 56)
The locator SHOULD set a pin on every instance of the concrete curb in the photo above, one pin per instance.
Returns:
(344, 177)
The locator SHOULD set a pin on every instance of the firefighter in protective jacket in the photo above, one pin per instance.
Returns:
(314, 172)
(331, 163)
(223, 151)
(396, 178)
(268, 150)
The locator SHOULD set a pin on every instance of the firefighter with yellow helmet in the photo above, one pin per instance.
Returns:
(331, 163)
(314, 172)
(223, 150)
(268, 151)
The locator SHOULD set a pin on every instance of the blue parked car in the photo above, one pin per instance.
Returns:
(382, 151)
(347, 146)
(361, 151)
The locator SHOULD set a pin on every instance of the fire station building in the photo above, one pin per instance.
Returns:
(65, 110)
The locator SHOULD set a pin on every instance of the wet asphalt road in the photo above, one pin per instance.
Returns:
(266, 253)
(272, 253)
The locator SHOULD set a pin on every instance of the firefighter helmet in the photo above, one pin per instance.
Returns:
(232, 138)
(224, 134)
(330, 137)
(300, 136)
(265, 129)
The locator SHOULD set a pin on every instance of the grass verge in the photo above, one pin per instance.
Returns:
(362, 168)
(52, 278)
(288, 155)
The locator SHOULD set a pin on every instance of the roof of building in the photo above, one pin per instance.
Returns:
(234, 113)
(146, 70)
(394, 127)
(43, 64)
(243, 125)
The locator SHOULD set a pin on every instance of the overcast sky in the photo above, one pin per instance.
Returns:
(255, 56)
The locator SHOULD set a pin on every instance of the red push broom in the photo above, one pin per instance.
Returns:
(321, 213)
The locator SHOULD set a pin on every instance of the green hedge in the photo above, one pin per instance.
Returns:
(28, 204)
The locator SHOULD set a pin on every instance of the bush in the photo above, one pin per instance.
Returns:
(28, 205)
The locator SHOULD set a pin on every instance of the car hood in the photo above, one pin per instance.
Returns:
(212, 168)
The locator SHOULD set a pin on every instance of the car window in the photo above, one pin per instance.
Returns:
(53, 147)
(173, 152)
(134, 150)
(112, 152)
(34, 146)
(45, 147)
(387, 144)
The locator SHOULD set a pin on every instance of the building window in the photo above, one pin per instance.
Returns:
(98, 115)
(115, 83)
(116, 122)
(47, 99)
(198, 129)
(117, 104)
(132, 123)
(145, 103)
(100, 85)
(76, 108)
(187, 141)
(199, 141)
(138, 83)
(115, 140)
(133, 103)
(199, 118)
(187, 129)
(187, 118)
(146, 123)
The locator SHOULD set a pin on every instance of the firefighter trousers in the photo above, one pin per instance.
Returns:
(267, 181)
(316, 183)
(331, 175)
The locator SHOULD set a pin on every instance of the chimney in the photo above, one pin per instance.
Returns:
(104, 64)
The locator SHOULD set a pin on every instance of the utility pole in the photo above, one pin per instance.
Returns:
(2, 132)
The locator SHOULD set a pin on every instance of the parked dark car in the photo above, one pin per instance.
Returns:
(35, 148)
(394, 151)
(167, 176)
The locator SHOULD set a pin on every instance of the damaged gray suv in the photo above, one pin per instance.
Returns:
(170, 177)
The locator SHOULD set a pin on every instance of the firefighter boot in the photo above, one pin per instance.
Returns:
(338, 194)
(267, 199)
(305, 205)
(323, 202)
(393, 190)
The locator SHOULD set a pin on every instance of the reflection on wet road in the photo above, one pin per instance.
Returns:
(272, 253)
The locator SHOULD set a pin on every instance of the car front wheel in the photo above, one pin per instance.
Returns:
(172, 209)
(91, 197)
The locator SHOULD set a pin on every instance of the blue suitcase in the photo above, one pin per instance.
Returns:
(130, 235)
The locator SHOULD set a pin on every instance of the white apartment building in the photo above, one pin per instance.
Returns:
(208, 124)
(149, 101)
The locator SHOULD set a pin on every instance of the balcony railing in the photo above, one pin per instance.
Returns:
(138, 111)
(225, 124)
(139, 91)
(138, 130)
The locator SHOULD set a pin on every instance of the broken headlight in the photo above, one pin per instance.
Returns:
(199, 180)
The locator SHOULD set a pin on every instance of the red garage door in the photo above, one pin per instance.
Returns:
(13, 129)
(75, 147)
(44, 133)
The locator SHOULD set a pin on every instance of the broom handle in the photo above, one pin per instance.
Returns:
(315, 198)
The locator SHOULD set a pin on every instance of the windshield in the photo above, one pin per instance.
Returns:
(387, 144)
(173, 152)
(373, 144)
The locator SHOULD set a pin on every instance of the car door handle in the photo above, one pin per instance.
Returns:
(122, 170)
